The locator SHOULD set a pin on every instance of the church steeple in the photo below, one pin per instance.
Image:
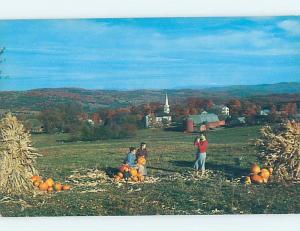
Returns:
(166, 106)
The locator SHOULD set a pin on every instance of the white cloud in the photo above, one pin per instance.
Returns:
(291, 26)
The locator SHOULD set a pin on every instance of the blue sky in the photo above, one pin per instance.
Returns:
(149, 53)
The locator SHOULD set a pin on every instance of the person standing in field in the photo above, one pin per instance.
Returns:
(142, 153)
(201, 144)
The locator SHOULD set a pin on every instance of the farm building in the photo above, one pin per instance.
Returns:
(159, 120)
(220, 110)
(265, 112)
(203, 122)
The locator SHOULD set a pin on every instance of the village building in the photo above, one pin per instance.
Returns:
(159, 120)
(203, 122)
(265, 112)
(220, 110)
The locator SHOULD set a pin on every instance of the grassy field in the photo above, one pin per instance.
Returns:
(231, 153)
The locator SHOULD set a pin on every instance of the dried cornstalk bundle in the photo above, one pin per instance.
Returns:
(279, 148)
(17, 157)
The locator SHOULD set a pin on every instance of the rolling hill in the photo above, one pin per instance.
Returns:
(38, 99)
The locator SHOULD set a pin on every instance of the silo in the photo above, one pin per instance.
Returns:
(190, 125)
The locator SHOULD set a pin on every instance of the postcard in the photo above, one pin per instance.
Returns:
(150, 116)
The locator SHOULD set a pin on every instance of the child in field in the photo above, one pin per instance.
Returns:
(131, 158)
(201, 144)
(142, 153)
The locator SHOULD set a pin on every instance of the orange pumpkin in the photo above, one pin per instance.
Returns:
(256, 179)
(264, 173)
(58, 187)
(265, 180)
(37, 183)
(43, 186)
(124, 168)
(255, 168)
(133, 172)
(117, 178)
(50, 182)
(142, 161)
(141, 178)
(66, 187)
(134, 178)
(120, 175)
(36, 178)
(50, 189)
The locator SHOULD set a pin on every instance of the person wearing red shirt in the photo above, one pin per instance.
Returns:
(201, 144)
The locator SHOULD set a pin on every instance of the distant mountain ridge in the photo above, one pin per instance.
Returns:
(278, 88)
(91, 99)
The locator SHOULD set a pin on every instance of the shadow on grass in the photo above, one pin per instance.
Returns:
(111, 171)
(229, 170)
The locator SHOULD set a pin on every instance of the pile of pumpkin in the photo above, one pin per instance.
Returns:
(128, 173)
(258, 175)
(49, 185)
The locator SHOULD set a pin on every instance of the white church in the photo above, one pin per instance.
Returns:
(159, 120)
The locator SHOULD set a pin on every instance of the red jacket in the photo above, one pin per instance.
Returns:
(202, 146)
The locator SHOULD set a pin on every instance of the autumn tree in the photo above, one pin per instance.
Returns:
(234, 107)
(207, 104)
(290, 109)
(63, 118)
(96, 118)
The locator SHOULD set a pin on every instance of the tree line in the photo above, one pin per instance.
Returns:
(105, 123)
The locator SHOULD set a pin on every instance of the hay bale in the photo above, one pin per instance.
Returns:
(17, 157)
(279, 147)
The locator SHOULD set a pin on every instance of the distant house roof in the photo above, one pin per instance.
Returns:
(265, 112)
(204, 118)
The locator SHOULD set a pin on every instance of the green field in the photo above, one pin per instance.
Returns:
(231, 153)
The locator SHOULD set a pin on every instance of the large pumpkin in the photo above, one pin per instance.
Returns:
(58, 187)
(50, 182)
(50, 189)
(256, 179)
(43, 186)
(124, 168)
(142, 161)
(141, 178)
(117, 178)
(134, 178)
(120, 175)
(255, 168)
(133, 172)
(36, 178)
(37, 183)
(264, 173)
